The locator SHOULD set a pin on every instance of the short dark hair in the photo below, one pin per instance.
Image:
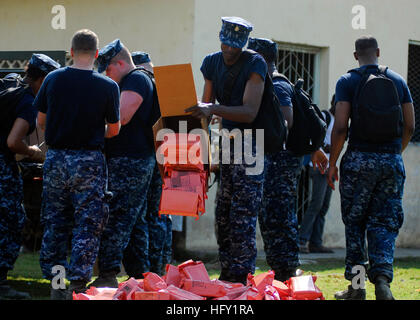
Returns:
(366, 46)
(34, 73)
(85, 41)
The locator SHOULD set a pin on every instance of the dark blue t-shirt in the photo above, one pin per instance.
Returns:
(346, 90)
(131, 141)
(77, 103)
(24, 110)
(283, 91)
(215, 70)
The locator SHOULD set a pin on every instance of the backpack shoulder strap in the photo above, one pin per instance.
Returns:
(327, 117)
(383, 69)
(233, 73)
(278, 75)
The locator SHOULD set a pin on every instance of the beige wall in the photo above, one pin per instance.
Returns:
(163, 28)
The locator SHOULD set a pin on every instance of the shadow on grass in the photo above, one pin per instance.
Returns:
(38, 289)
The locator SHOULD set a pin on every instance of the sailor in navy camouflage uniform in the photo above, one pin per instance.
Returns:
(74, 105)
(277, 218)
(131, 160)
(19, 123)
(159, 228)
(372, 180)
(240, 194)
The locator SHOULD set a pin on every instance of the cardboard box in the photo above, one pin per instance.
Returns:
(176, 92)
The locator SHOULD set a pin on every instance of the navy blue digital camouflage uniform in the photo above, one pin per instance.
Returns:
(277, 217)
(131, 161)
(129, 180)
(74, 179)
(239, 196)
(371, 188)
(73, 199)
(157, 232)
(12, 213)
(151, 236)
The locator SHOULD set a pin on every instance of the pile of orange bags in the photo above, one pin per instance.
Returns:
(185, 179)
(190, 281)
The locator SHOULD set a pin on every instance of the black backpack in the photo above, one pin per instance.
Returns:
(12, 90)
(309, 128)
(376, 115)
(269, 116)
(147, 126)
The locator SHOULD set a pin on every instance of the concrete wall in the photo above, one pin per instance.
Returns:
(164, 28)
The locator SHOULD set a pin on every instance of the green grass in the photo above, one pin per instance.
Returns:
(27, 276)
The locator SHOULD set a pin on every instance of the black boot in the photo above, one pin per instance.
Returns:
(284, 274)
(8, 293)
(382, 289)
(224, 275)
(240, 278)
(106, 279)
(76, 286)
(351, 294)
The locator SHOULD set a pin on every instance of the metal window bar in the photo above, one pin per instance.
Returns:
(413, 82)
(301, 62)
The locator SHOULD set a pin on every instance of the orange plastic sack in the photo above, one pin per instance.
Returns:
(172, 275)
(182, 150)
(180, 294)
(179, 203)
(304, 288)
(282, 289)
(261, 281)
(152, 295)
(95, 294)
(251, 293)
(152, 282)
(126, 289)
(233, 293)
(270, 293)
(195, 272)
(204, 288)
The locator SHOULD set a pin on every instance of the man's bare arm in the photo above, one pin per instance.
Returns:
(41, 120)
(409, 124)
(16, 144)
(130, 102)
(338, 138)
(246, 113)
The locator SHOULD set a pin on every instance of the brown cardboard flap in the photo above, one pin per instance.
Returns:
(175, 88)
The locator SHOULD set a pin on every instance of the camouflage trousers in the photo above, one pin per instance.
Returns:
(12, 214)
(371, 190)
(129, 180)
(73, 204)
(150, 245)
(277, 217)
(238, 203)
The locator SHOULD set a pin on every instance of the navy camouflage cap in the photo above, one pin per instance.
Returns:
(43, 62)
(107, 53)
(265, 47)
(235, 31)
(140, 57)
